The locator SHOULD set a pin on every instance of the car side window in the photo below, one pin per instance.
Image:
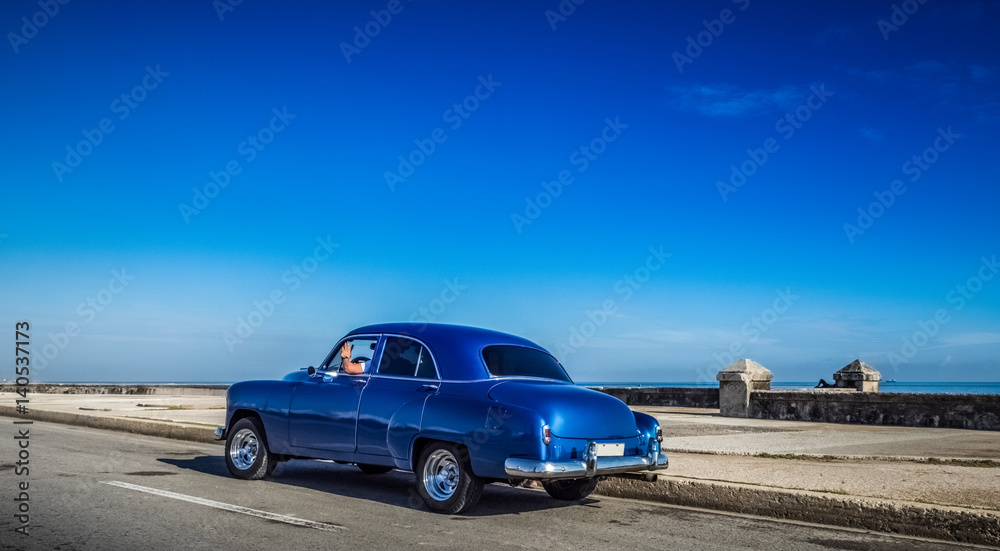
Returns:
(425, 365)
(407, 358)
(358, 351)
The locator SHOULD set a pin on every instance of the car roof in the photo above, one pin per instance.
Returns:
(456, 348)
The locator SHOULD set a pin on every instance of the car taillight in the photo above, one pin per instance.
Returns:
(659, 434)
(546, 435)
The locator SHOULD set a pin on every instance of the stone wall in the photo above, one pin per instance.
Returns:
(138, 389)
(666, 396)
(960, 411)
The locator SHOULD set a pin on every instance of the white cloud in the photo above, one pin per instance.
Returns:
(837, 34)
(971, 339)
(982, 74)
(725, 100)
(872, 135)
(928, 66)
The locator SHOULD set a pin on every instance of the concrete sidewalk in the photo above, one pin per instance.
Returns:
(939, 483)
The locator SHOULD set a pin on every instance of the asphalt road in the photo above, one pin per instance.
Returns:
(101, 490)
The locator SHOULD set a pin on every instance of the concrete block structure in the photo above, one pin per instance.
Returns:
(736, 382)
(858, 375)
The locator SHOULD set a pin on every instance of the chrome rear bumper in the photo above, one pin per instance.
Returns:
(588, 467)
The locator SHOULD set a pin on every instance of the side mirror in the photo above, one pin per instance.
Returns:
(311, 371)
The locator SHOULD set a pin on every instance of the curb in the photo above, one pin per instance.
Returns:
(896, 458)
(907, 518)
(134, 426)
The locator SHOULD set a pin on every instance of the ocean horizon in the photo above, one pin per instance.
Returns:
(885, 386)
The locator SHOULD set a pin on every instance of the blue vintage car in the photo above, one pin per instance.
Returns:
(458, 406)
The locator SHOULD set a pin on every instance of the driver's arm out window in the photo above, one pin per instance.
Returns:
(360, 352)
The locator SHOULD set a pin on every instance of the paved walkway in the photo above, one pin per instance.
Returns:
(872, 461)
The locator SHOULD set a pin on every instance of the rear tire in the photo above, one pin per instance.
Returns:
(373, 469)
(445, 479)
(247, 456)
(570, 490)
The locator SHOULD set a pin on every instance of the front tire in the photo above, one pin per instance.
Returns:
(445, 479)
(570, 490)
(247, 456)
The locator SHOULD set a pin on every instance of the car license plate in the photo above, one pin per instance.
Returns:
(606, 450)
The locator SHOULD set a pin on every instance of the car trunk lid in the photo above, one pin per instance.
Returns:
(570, 411)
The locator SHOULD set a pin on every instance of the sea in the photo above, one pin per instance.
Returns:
(885, 386)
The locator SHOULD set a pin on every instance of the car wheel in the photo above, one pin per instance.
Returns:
(247, 456)
(570, 490)
(445, 479)
(373, 469)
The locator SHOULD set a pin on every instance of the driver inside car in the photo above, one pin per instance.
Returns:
(347, 365)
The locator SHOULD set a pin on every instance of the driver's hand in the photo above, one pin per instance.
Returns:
(345, 351)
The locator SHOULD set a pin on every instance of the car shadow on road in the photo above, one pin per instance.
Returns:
(393, 488)
(208, 464)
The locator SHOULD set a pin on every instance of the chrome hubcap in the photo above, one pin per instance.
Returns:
(243, 450)
(441, 475)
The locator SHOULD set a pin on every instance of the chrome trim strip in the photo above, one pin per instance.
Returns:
(509, 378)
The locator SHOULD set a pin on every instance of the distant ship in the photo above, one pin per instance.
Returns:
(891, 381)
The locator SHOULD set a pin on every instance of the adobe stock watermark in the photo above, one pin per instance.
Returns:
(900, 14)
(885, 199)
(581, 158)
(624, 289)
(454, 116)
(364, 34)
(30, 26)
(565, 9)
(225, 7)
(123, 107)
(751, 332)
(291, 280)
(87, 311)
(449, 294)
(785, 126)
(697, 44)
(248, 149)
(959, 296)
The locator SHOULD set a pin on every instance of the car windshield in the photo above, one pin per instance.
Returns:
(518, 361)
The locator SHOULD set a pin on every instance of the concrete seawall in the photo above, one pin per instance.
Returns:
(666, 396)
(136, 389)
(956, 411)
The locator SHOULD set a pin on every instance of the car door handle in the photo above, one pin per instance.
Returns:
(359, 382)
(427, 388)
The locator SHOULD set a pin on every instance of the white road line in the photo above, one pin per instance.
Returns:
(227, 507)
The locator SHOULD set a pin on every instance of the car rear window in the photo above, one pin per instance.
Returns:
(504, 360)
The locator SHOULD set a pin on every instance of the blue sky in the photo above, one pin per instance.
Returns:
(647, 189)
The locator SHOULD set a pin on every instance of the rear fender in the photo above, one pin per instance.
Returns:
(490, 431)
